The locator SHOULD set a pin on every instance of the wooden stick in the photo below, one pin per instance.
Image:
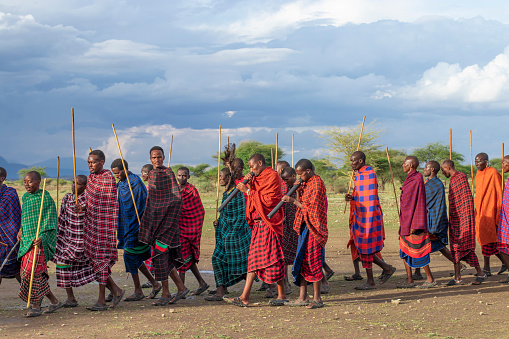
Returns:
(126, 175)
(293, 149)
(272, 157)
(502, 168)
(36, 248)
(2, 243)
(74, 160)
(171, 148)
(358, 146)
(58, 177)
(90, 150)
(392, 178)
(472, 164)
(450, 144)
(277, 142)
(218, 170)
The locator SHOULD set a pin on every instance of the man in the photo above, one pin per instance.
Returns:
(160, 227)
(101, 221)
(233, 238)
(503, 225)
(10, 222)
(461, 223)
(190, 223)
(72, 266)
(311, 225)
(266, 258)
(145, 170)
(368, 225)
(45, 242)
(488, 201)
(438, 223)
(135, 252)
(414, 242)
(280, 166)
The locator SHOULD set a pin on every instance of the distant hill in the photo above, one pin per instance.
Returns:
(66, 167)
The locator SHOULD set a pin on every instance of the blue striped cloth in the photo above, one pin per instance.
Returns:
(128, 226)
(299, 257)
(438, 223)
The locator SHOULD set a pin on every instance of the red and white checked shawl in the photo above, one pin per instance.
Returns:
(461, 214)
(101, 217)
(413, 204)
(193, 213)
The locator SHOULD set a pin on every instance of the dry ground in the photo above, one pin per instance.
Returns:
(455, 312)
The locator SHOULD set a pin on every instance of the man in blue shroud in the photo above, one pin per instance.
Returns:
(135, 252)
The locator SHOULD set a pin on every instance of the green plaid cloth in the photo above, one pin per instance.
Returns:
(31, 205)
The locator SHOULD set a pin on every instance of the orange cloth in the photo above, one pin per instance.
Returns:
(488, 201)
(264, 195)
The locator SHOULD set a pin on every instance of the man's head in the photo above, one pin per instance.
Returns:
(183, 175)
(96, 161)
(157, 156)
(304, 169)
(145, 170)
(410, 163)
(3, 175)
(257, 164)
(224, 176)
(238, 167)
(505, 164)
(118, 170)
(289, 176)
(32, 181)
(281, 165)
(357, 160)
(481, 161)
(81, 183)
(447, 167)
(431, 169)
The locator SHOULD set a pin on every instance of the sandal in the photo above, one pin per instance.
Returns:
(69, 304)
(479, 280)
(162, 302)
(109, 298)
(365, 287)
(271, 293)
(278, 302)
(453, 282)
(33, 313)
(179, 296)
(353, 277)
(329, 275)
(315, 304)
(53, 307)
(297, 303)
(417, 276)
(148, 284)
(214, 297)
(200, 290)
(427, 285)
(135, 297)
(263, 287)
(487, 273)
(504, 281)
(215, 291)
(117, 299)
(237, 302)
(406, 284)
(387, 276)
(325, 289)
(155, 292)
(98, 307)
(502, 269)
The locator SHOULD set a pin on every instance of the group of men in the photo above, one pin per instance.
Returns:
(159, 228)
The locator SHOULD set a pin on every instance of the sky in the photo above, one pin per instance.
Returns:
(257, 68)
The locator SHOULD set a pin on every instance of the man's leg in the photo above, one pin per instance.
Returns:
(244, 297)
(408, 269)
(182, 276)
(317, 287)
(327, 269)
(505, 260)
(486, 267)
(429, 276)
(52, 298)
(382, 264)
(137, 285)
(287, 281)
(70, 295)
(303, 295)
(174, 275)
(446, 253)
(197, 275)
(356, 267)
(281, 290)
(143, 269)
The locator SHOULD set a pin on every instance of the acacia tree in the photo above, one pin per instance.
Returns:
(246, 149)
(436, 151)
(22, 172)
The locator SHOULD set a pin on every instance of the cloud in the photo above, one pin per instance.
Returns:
(230, 113)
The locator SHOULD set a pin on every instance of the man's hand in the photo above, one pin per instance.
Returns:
(78, 209)
(241, 187)
(348, 197)
(248, 177)
(289, 199)
(19, 235)
(214, 223)
(37, 242)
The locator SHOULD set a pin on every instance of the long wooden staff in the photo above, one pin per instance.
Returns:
(502, 168)
(90, 149)
(218, 170)
(392, 178)
(450, 144)
(36, 247)
(171, 148)
(58, 177)
(277, 141)
(126, 175)
(358, 146)
(472, 164)
(272, 157)
(293, 149)
(74, 160)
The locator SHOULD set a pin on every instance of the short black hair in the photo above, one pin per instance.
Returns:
(304, 164)
(258, 157)
(360, 155)
(413, 160)
(483, 156)
(435, 165)
(99, 154)
(448, 162)
(283, 162)
(34, 174)
(237, 162)
(184, 168)
(3, 173)
(226, 171)
(147, 168)
(156, 148)
(288, 171)
(82, 177)
(117, 163)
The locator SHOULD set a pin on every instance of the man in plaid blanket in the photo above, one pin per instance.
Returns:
(266, 258)
(368, 226)
(101, 221)
(503, 224)
(160, 227)
(135, 253)
(72, 266)
(311, 225)
(414, 242)
(190, 223)
(488, 201)
(31, 207)
(461, 223)
(10, 222)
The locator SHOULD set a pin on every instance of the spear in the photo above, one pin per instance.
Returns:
(218, 170)
(272, 157)
(358, 146)
(450, 143)
(392, 178)
(472, 163)
(502, 168)
(277, 141)
(74, 160)
(34, 263)
(58, 176)
(9, 255)
(126, 175)
(171, 147)
(293, 146)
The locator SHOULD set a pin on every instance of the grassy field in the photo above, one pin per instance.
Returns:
(444, 312)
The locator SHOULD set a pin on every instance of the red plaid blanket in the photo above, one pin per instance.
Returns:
(461, 214)
(413, 205)
(191, 217)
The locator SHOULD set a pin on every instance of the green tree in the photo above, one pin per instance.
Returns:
(378, 161)
(341, 142)
(246, 149)
(199, 170)
(22, 172)
(438, 152)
